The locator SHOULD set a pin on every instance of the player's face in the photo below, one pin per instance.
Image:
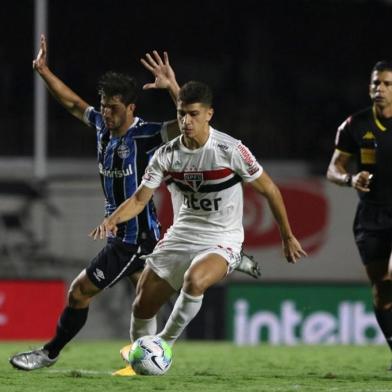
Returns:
(194, 119)
(381, 88)
(115, 113)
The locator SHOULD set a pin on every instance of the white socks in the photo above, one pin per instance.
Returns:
(142, 327)
(185, 309)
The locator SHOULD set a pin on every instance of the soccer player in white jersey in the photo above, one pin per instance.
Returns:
(204, 243)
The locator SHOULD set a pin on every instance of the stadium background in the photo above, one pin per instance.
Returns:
(284, 73)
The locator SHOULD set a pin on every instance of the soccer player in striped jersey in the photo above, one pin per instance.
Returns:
(125, 144)
(204, 243)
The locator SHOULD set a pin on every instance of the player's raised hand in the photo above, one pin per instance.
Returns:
(293, 250)
(106, 229)
(161, 69)
(40, 61)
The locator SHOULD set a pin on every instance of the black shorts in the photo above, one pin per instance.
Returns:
(116, 260)
(373, 232)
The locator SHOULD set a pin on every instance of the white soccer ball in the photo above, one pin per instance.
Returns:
(150, 355)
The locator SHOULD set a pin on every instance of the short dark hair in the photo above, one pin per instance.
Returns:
(195, 92)
(115, 83)
(383, 65)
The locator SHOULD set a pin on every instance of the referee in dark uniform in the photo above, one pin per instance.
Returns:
(366, 138)
(125, 144)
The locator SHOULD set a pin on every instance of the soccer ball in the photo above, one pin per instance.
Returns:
(150, 355)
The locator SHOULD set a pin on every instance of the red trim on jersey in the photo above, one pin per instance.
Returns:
(207, 174)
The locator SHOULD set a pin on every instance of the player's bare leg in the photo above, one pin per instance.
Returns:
(203, 273)
(147, 303)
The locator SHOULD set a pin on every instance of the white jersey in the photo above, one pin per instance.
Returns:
(209, 179)
(176, 198)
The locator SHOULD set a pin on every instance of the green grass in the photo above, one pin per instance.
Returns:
(208, 366)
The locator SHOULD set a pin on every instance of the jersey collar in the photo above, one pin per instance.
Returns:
(376, 120)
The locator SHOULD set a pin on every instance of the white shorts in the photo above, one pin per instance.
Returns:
(171, 260)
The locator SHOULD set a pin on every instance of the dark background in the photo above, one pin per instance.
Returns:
(285, 73)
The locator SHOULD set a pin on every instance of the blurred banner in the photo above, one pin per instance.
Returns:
(291, 314)
(30, 309)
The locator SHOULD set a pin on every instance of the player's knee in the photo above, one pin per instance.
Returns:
(75, 296)
(80, 293)
(194, 284)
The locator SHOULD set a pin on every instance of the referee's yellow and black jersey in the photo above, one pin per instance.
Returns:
(368, 139)
(121, 163)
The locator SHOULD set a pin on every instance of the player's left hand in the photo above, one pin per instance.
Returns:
(292, 249)
(106, 229)
(161, 69)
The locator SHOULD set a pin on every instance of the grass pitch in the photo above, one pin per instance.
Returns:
(207, 366)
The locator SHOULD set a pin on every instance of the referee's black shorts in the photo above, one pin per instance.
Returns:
(116, 260)
(373, 232)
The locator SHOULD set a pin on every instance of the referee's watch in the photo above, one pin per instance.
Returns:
(347, 180)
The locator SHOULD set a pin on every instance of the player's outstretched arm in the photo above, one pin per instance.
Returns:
(127, 210)
(69, 99)
(291, 247)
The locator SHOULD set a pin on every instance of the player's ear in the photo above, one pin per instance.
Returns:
(131, 107)
(210, 113)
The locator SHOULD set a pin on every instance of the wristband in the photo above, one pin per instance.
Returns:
(347, 180)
